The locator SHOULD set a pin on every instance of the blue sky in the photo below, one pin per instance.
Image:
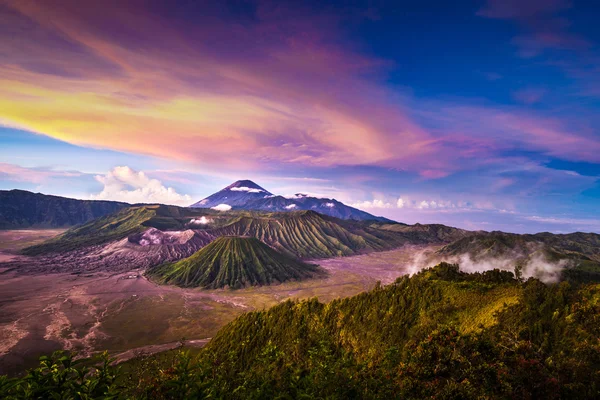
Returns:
(478, 114)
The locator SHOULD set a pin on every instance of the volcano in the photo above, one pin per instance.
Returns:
(247, 195)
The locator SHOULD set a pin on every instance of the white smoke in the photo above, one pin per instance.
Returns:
(200, 221)
(536, 265)
(222, 207)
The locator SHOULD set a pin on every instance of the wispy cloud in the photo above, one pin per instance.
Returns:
(16, 173)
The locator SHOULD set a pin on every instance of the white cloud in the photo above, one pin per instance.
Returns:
(400, 203)
(246, 189)
(330, 205)
(222, 207)
(128, 185)
(372, 204)
(291, 206)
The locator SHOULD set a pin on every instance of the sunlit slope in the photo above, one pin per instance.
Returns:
(440, 333)
(307, 234)
(102, 230)
(233, 262)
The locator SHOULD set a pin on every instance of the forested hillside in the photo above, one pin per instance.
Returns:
(439, 334)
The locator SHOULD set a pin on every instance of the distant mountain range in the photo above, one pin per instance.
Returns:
(247, 195)
(20, 209)
(118, 236)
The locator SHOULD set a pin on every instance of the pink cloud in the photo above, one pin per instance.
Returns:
(283, 89)
(17, 173)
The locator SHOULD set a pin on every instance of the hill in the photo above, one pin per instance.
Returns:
(233, 262)
(20, 209)
(300, 234)
(578, 253)
(309, 235)
(426, 233)
(247, 195)
(439, 334)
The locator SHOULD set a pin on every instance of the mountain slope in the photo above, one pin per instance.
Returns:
(479, 245)
(438, 334)
(309, 235)
(300, 234)
(237, 194)
(234, 262)
(575, 256)
(247, 195)
(426, 234)
(22, 209)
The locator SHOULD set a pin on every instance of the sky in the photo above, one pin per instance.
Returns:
(476, 114)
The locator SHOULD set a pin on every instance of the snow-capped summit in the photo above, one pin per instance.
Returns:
(237, 194)
(245, 194)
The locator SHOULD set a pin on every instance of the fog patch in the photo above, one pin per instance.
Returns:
(535, 265)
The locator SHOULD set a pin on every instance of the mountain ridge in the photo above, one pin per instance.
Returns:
(247, 195)
(20, 209)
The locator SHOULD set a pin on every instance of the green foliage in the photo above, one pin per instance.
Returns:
(406, 340)
(234, 262)
(102, 230)
(61, 377)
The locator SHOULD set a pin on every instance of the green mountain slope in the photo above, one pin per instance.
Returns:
(301, 234)
(582, 250)
(307, 234)
(497, 244)
(102, 230)
(21, 209)
(438, 334)
(234, 262)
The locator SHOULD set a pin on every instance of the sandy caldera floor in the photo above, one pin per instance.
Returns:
(125, 311)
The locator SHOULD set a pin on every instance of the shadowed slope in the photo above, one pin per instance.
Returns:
(234, 262)
(22, 209)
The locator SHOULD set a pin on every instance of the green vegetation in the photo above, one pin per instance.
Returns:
(578, 251)
(234, 262)
(307, 234)
(439, 334)
(577, 246)
(300, 234)
(102, 230)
